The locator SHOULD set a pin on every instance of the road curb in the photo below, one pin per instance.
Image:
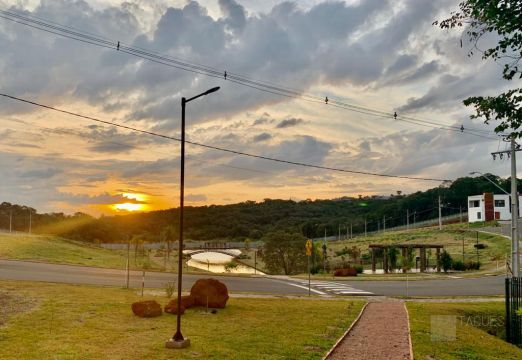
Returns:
(409, 331)
(346, 332)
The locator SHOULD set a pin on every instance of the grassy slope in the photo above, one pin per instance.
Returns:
(57, 250)
(87, 322)
(54, 249)
(471, 342)
(451, 238)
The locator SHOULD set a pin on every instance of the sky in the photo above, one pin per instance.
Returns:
(378, 54)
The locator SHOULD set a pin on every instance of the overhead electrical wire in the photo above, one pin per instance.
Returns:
(235, 152)
(265, 86)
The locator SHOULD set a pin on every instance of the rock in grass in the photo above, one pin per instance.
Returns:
(186, 302)
(211, 290)
(149, 308)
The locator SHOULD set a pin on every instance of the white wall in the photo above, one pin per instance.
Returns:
(505, 211)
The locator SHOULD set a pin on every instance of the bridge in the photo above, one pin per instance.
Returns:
(230, 252)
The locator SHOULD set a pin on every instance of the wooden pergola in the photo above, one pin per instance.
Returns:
(404, 248)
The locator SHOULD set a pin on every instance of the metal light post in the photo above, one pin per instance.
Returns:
(177, 341)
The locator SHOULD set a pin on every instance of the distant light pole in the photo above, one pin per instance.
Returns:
(177, 341)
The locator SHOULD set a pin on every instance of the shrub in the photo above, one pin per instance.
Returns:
(231, 265)
(351, 271)
(458, 265)
(445, 261)
(359, 269)
(341, 252)
(170, 287)
(472, 265)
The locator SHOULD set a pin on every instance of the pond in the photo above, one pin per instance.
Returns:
(215, 262)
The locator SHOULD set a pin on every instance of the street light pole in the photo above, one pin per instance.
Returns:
(178, 341)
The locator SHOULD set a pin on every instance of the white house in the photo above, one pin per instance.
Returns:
(487, 207)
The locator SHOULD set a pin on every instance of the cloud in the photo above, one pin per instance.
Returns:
(262, 137)
(102, 199)
(289, 123)
(451, 90)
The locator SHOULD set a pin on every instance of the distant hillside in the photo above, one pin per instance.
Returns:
(252, 220)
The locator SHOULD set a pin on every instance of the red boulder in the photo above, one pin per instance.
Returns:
(186, 302)
(146, 309)
(211, 290)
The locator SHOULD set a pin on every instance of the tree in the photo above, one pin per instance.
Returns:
(284, 252)
(393, 255)
(168, 234)
(408, 261)
(445, 261)
(502, 17)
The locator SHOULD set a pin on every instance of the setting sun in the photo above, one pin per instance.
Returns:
(129, 207)
(136, 202)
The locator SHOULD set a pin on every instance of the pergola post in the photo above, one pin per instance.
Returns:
(438, 258)
(385, 260)
(422, 259)
(373, 260)
(404, 255)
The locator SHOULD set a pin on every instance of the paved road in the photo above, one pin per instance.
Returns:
(22, 270)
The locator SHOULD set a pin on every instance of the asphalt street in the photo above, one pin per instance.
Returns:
(34, 271)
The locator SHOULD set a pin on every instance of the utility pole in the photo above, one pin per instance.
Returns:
(460, 208)
(384, 223)
(514, 213)
(351, 233)
(365, 228)
(515, 250)
(407, 219)
(440, 215)
(414, 214)
(10, 221)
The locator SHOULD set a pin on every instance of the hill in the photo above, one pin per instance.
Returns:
(254, 219)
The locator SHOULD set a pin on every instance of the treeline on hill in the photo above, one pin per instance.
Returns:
(254, 220)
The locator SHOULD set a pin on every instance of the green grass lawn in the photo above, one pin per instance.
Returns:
(479, 328)
(88, 322)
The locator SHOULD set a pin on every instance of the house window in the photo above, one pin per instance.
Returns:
(474, 203)
(479, 215)
(500, 203)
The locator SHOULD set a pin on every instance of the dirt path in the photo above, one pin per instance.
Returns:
(381, 333)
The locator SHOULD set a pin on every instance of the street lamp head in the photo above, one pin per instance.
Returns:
(214, 89)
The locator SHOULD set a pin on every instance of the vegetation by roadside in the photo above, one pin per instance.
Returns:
(457, 240)
(478, 331)
(78, 322)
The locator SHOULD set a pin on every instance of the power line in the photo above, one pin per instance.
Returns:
(265, 86)
(235, 152)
